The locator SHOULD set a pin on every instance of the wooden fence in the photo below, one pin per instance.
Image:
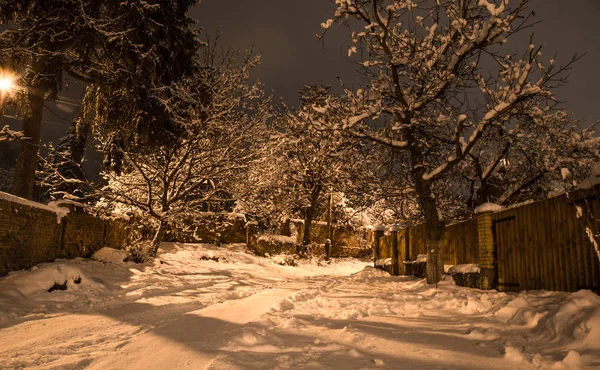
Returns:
(460, 245)
(460, 242)
(550, 244)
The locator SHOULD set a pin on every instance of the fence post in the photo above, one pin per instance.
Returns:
(378, 231)
(251, 232)
(395, 263)
(405, 250)
(487, 265)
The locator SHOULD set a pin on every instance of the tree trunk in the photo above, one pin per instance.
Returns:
(159, 236)
(435, 237)
(308, 217)
(310, 214)
(2, 107)
(329, 220)
(24, 179)
(435, 226)
(77, 147)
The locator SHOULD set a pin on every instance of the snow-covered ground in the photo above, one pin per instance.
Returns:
(199, 306)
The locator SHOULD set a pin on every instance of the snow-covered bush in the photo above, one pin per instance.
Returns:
(139, 251)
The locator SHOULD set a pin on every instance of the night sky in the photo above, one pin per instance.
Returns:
(284, 32)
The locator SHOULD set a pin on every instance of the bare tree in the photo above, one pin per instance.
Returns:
(429, 96)
(224, 116)
(313, 160)
(9, 135)
(547, 150)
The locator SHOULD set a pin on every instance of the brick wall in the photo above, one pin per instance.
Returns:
(30, 235)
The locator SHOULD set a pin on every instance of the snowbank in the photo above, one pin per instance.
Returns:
(110, 255)
(383, 262)
(471, 268)
(572, 323)
(106, 281)
(529, 330)
(42, 278)
(274, 238)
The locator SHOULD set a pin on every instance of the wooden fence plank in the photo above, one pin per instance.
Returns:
(537, 253)
(528, 258)
(585, 244)
(595, 256)
(500, 254)
(572, 245)
(564, 245)
(557, 227)
(579, 237)
(527, 251)
(552, 244)
(591, 224)
(521, 249)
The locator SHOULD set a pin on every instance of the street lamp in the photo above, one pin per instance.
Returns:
(7, 85)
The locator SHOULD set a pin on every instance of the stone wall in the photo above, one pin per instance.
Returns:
(342, 235)
(273, 245)
(210, 227)
(347, 242)
(31, 233)
(341, 251)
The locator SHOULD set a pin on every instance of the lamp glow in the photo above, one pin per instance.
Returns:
(6, 84)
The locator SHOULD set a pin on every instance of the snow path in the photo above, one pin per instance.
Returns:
(193, 340)
(187, 311)
(371, 320)
(144, 336)
(174, 314)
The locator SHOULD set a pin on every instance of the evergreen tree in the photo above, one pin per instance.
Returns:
(129, 48)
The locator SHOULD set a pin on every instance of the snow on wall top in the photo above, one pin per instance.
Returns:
(52, 206)
(274, 238)
(488, 207)
(228, 215)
